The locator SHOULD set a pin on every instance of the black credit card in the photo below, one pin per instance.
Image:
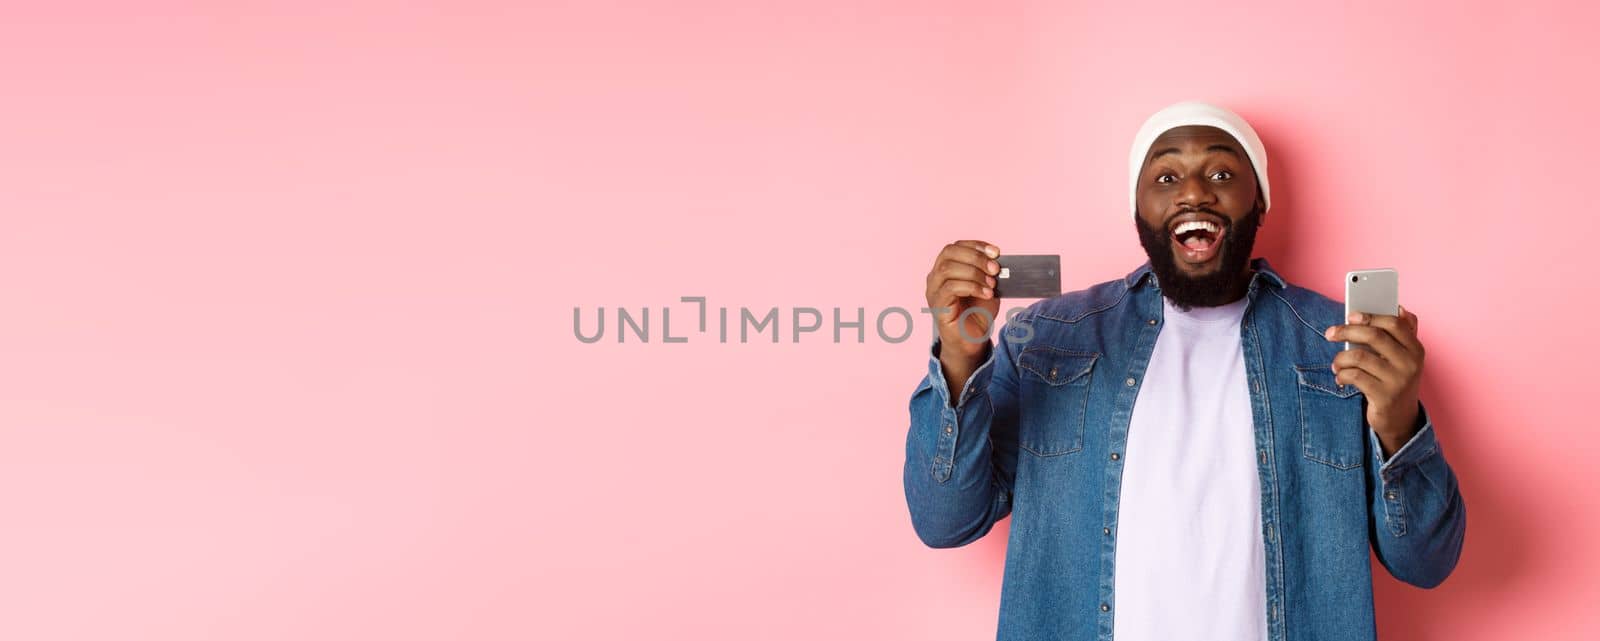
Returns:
(1028, 276)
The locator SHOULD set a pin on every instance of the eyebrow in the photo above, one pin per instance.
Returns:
(1216, 147)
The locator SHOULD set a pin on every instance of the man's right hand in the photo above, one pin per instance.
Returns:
(963, 278)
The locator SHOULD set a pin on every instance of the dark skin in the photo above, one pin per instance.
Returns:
(1390, 379)
(1197, 173)
(1192, 173)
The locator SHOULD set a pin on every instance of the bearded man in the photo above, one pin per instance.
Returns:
(1185, 452)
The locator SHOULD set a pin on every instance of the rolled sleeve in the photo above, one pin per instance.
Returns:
(1421, 445)
(973, 386)
(1417, 503)
(957, 482)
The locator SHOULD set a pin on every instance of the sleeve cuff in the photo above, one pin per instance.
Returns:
(1421, 445)
(973, 386)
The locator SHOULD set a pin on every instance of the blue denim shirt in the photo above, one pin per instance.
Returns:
(1037, 431)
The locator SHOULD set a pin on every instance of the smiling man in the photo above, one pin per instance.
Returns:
(1185, 452)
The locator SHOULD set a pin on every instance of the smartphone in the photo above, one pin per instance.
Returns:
(1371, 291)
(1028, 276)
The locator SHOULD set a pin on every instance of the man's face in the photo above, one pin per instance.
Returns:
(1198, 210)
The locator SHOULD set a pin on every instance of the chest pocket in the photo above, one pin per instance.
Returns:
(1055, 396)
(1332, 418)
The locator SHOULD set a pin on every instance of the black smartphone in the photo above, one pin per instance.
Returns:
(1028, 276)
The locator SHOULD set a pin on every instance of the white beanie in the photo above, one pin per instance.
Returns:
(1184, 114)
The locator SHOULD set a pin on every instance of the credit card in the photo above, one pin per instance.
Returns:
(1028, 276)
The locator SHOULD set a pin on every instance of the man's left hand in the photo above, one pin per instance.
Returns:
(1389, 375)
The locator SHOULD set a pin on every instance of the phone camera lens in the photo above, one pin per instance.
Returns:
(1353, 278)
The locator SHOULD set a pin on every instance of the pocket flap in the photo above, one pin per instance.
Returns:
(1321, 378)
(1057, 366)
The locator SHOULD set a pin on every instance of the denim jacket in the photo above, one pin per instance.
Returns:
(1037, 431)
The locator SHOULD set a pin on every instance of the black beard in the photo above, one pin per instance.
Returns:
(1211, 290)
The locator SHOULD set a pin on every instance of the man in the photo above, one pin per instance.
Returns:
(1186, 452)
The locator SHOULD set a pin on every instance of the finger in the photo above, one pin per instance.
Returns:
(1366, 361)
(969, 255)
(1375, 338)
(975, 251)
(962, 271)
(1410, 318)
(950, 294)
(953, 290)
(1369, 385)
(988, 248)
(1398, 328)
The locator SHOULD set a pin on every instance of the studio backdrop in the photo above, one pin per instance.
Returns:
(599, 320)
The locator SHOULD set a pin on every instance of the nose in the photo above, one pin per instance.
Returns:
(1195, 193)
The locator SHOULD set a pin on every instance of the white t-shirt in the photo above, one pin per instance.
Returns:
(1190, 557)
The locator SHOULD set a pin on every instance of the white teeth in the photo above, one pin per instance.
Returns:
(1195, 224)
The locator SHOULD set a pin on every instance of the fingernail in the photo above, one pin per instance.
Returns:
(1355, 318)
(990, 280)
(1335, 369)
(992, 251)
(994, 267)
(1328, 333)
(988, 293)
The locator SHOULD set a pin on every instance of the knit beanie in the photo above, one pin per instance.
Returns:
(1188, 113)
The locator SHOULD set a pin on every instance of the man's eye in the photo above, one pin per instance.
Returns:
(1166, 178)
(1222, 175)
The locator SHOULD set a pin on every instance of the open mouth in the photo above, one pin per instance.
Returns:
(1197, 240)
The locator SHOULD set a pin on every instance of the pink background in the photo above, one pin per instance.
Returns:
(287, 350)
